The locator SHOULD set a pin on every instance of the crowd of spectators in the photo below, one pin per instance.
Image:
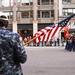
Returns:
(52, 42)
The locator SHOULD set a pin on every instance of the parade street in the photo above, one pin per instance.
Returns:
(49, 61)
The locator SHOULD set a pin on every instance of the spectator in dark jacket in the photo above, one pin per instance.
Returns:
(58, 41)
(12, 52)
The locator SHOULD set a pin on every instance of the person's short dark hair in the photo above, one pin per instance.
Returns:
(3, 21)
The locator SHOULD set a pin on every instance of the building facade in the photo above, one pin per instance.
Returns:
(66, 8)
(29, 16)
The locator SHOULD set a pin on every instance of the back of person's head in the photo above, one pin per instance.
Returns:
(3, 21)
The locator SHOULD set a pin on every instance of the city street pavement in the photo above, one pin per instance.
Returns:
(49, 61)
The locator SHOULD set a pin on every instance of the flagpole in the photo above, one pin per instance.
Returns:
(30, 40)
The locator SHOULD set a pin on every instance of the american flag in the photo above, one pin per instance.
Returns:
(49, 32)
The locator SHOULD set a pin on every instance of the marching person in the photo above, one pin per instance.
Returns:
(12, 52)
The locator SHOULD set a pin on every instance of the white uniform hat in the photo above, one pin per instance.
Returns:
(3, 16)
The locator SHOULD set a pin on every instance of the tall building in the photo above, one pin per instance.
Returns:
(66, 8)
(29, 16)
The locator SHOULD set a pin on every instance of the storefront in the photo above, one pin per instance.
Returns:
(27, 29)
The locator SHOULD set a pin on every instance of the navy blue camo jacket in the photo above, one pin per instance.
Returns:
(12, 53)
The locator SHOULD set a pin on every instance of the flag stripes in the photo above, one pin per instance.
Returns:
(51, 33)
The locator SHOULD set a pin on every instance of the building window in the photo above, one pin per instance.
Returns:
(38, 14)
(67, 12)
(52, 2)
(18, 15)
(45, 2)
(38, 2)
(25, 14)
(25, 2)
(73, 10)
(11, 3)
(19, 2)
(68, 1)
(5, 3)
(31, 2)
(31, 14)
(52, 13)
(11, 15)
(45, 14)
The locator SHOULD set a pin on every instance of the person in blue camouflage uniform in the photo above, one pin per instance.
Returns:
(12, 52)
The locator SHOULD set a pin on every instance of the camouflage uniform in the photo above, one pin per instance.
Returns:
(12, 53)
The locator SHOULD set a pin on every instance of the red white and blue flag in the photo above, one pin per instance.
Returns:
(49, 32)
